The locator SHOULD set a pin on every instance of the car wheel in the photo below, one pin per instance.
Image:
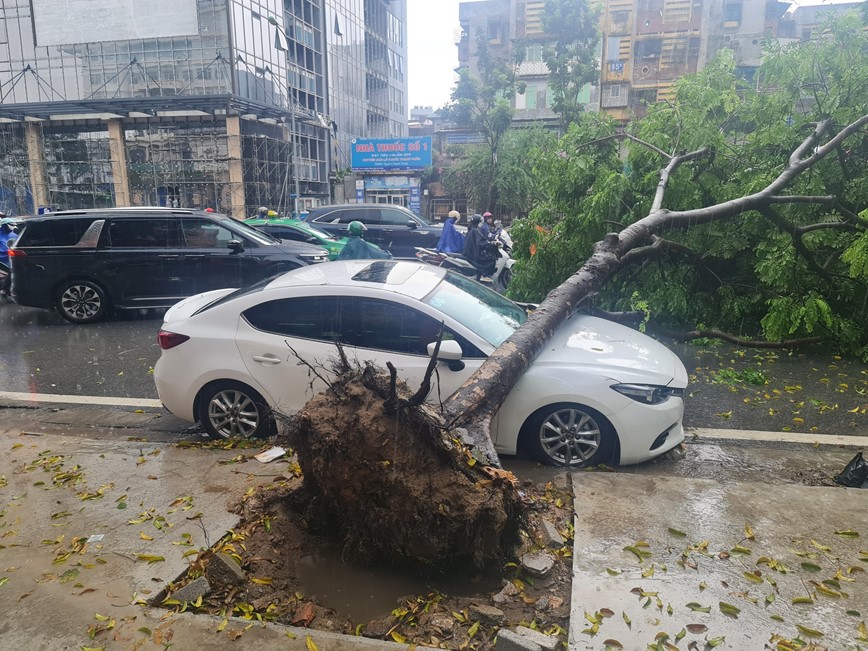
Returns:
(571, 435)
(232, 410)
(501, 283)
(81, 301)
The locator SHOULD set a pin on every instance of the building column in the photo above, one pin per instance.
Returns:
(36, 160)
(236, 167)
(118, 150)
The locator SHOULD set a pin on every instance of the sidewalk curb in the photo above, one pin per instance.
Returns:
(775, 439)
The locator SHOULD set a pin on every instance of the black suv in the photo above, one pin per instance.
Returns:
(83, 262)
(393, 228)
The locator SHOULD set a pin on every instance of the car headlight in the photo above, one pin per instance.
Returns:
(315, 257)
(649, 394)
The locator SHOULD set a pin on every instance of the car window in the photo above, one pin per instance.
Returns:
(391, 217)
(143, 233)
(286, 233)
(485, 312)
(53, 232)
(347, 215)
(397, 328)
(324, 318)
(242, 231)
(205, 234)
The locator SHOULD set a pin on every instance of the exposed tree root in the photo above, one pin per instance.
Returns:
(394, 483)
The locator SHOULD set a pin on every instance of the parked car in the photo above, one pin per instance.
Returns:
(83, 262)
(392, 228)
(598, 392)
(296, 230)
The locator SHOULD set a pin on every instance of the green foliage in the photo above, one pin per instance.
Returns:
(570, 53)
(484, 103)
(800, 270)
(514, 181)
(746, 376)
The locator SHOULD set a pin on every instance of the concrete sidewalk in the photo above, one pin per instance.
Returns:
(56, 590)
(732, 559)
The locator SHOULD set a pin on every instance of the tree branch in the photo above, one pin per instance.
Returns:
(725, 336)
(674, 163)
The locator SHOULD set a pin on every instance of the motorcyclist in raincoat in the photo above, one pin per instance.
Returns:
(357, 248)
(451, 239)
(7, 237)
(478, 250)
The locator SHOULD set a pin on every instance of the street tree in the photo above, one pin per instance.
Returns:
(483, 102)
(570, 51)
(790, 271)
(514, 183)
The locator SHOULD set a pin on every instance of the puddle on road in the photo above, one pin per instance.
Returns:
(371, 592)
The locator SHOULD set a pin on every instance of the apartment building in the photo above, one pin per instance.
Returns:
(645, 45)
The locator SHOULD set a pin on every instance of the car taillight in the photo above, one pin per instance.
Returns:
(16, 253)
(169, 340)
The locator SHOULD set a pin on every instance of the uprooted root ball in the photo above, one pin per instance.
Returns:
(394, 484)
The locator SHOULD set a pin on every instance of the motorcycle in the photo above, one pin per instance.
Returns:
(500, 272)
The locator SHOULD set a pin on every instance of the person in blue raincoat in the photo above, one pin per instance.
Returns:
(7, 237)
(451, 240)
(357, 248)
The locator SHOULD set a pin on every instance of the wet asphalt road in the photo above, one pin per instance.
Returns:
(42, 353)
(813, 392)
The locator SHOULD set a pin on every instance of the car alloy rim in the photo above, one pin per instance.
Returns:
(81, 302)
(233, 414)
(570, 436)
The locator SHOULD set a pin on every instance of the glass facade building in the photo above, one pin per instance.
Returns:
(193, 103)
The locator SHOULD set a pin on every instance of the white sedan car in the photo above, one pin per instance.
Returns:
(599, 392)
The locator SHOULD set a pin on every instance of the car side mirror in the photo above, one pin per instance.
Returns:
(450, 350)
(236, 246)
(312, 240)
(412, 224)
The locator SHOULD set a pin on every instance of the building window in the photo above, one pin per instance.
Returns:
(615, 91)
(613, 48)
(534, 53)
(530, 97)
(732, 13)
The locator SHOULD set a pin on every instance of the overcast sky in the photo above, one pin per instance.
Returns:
(432, 27)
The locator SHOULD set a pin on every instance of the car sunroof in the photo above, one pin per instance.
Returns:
(386, 272)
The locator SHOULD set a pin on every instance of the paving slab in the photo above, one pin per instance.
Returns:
(142, 506)
(710, 543)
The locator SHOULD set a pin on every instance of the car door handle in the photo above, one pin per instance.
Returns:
(266, 359)
(169, 257)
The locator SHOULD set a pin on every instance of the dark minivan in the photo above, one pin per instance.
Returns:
(84, 262)
(393, 228)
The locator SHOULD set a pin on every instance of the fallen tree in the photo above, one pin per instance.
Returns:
(402, 480)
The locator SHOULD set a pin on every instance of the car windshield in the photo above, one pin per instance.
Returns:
(316, 230)
(247, 230)
(485, 312)
(243, 291)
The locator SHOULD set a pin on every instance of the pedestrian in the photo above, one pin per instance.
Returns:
(7, 237)
(451, 240)
(261, 213)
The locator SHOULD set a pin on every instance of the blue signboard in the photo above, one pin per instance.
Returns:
(416, 200)
(397, 154)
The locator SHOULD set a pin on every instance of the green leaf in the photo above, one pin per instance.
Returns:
(808, 632)
(676, 533)
(811, 567)
(698, 608)
(729, 609)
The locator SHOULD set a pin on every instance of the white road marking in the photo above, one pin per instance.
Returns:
(80, 400)
(775, 437)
